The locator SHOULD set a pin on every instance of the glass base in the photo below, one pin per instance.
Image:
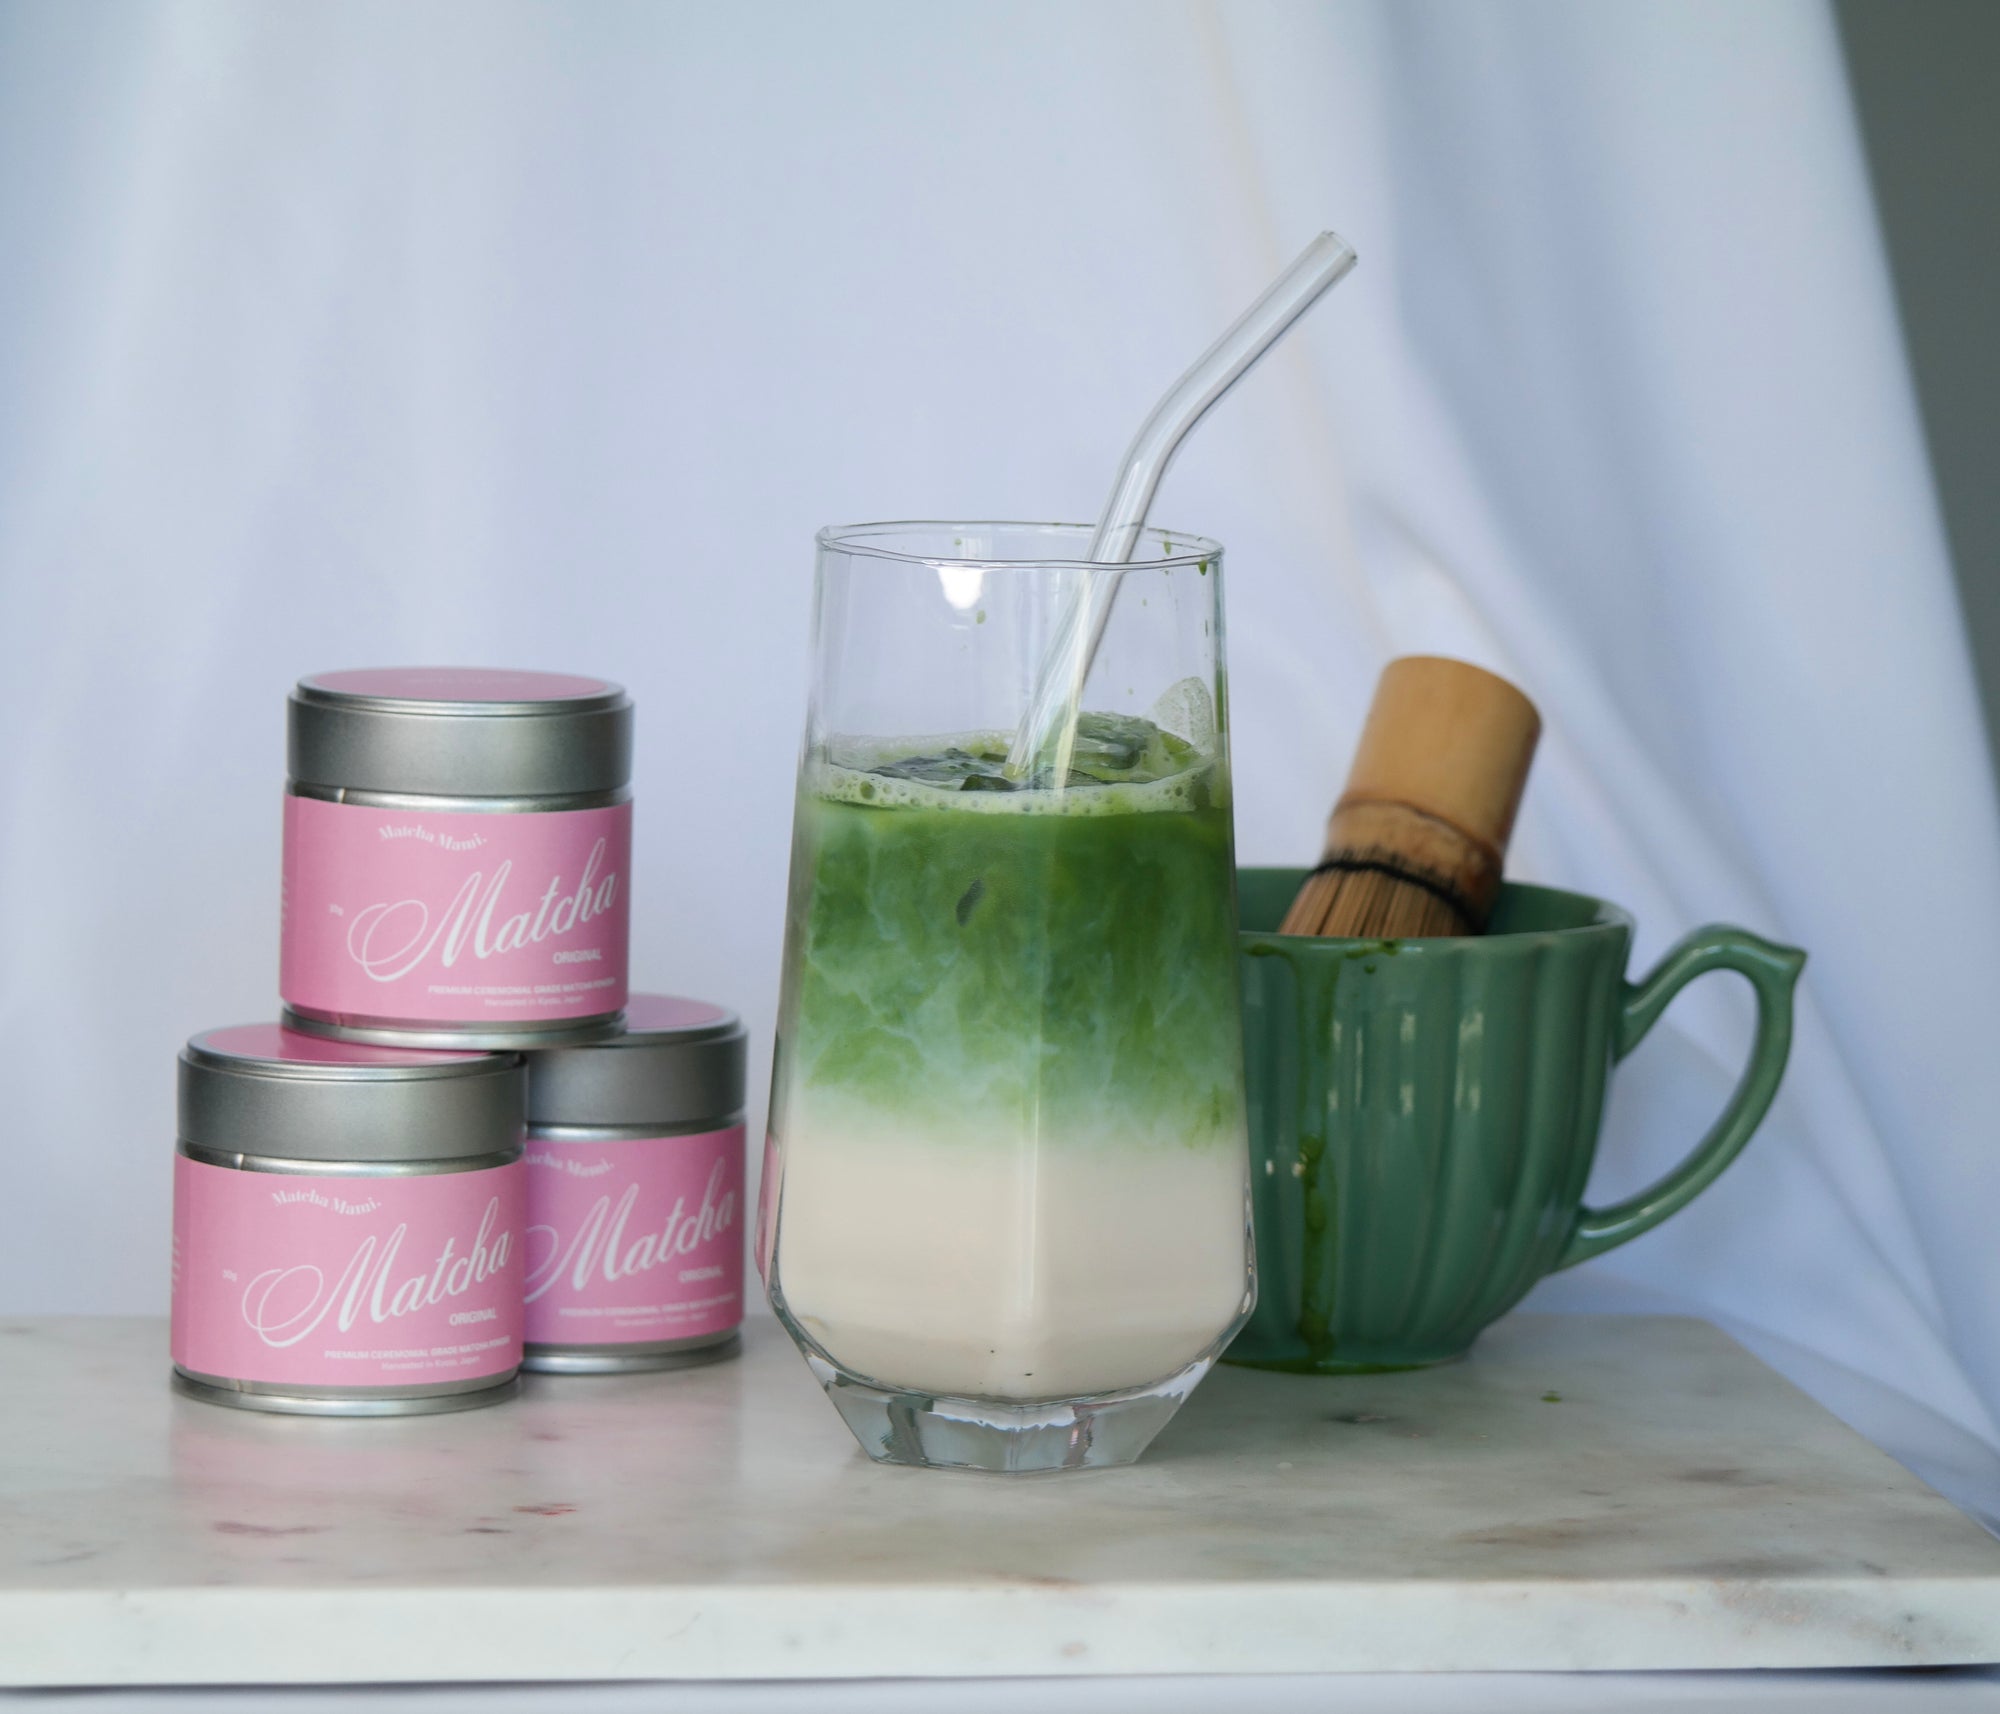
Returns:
(1009, 1436)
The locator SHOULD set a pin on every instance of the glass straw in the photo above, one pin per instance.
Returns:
(1058, 688)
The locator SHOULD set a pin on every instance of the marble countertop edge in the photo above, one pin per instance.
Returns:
(136, 1637)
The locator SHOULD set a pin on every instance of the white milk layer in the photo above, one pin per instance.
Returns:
(987, 1267)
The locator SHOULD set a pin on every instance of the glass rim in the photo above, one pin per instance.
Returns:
(855, 539)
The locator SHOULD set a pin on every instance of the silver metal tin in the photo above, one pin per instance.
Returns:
(458, 1038)
(376, 1111)
(247, 1104)
(346, 1401)
(633, 1359)
(453, 733)
(678, 1070)
(677, 1066)
(458, 740)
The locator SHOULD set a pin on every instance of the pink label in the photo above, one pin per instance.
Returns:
(338, 1281)
(416, 917)
(634, 1241)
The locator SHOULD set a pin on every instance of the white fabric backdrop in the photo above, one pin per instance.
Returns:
(522, 334)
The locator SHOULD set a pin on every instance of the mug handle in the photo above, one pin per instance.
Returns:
(1773, 971)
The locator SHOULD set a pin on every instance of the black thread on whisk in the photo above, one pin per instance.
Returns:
(1395, 872)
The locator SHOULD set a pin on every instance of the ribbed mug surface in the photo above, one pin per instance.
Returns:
(1424, 1114)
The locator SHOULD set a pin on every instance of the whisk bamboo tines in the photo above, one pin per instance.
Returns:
(1415, 845)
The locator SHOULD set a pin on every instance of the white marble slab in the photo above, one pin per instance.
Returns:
(1585, 1492)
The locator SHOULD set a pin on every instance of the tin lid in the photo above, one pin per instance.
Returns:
(460, 732)
(259, 1089)
(679, 1062)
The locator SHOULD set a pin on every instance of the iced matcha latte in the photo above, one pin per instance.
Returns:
(1005, 1210)
(1010, 1098)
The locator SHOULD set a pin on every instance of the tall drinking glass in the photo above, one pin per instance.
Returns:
(1005, 1207)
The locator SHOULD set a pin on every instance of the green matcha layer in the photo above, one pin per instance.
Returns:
(972, 957)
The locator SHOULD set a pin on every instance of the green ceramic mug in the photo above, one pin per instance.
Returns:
(1424, 1113)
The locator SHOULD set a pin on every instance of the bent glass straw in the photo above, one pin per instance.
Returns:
(1058, 688)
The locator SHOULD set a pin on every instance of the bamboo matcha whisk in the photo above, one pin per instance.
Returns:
(1414, 846)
